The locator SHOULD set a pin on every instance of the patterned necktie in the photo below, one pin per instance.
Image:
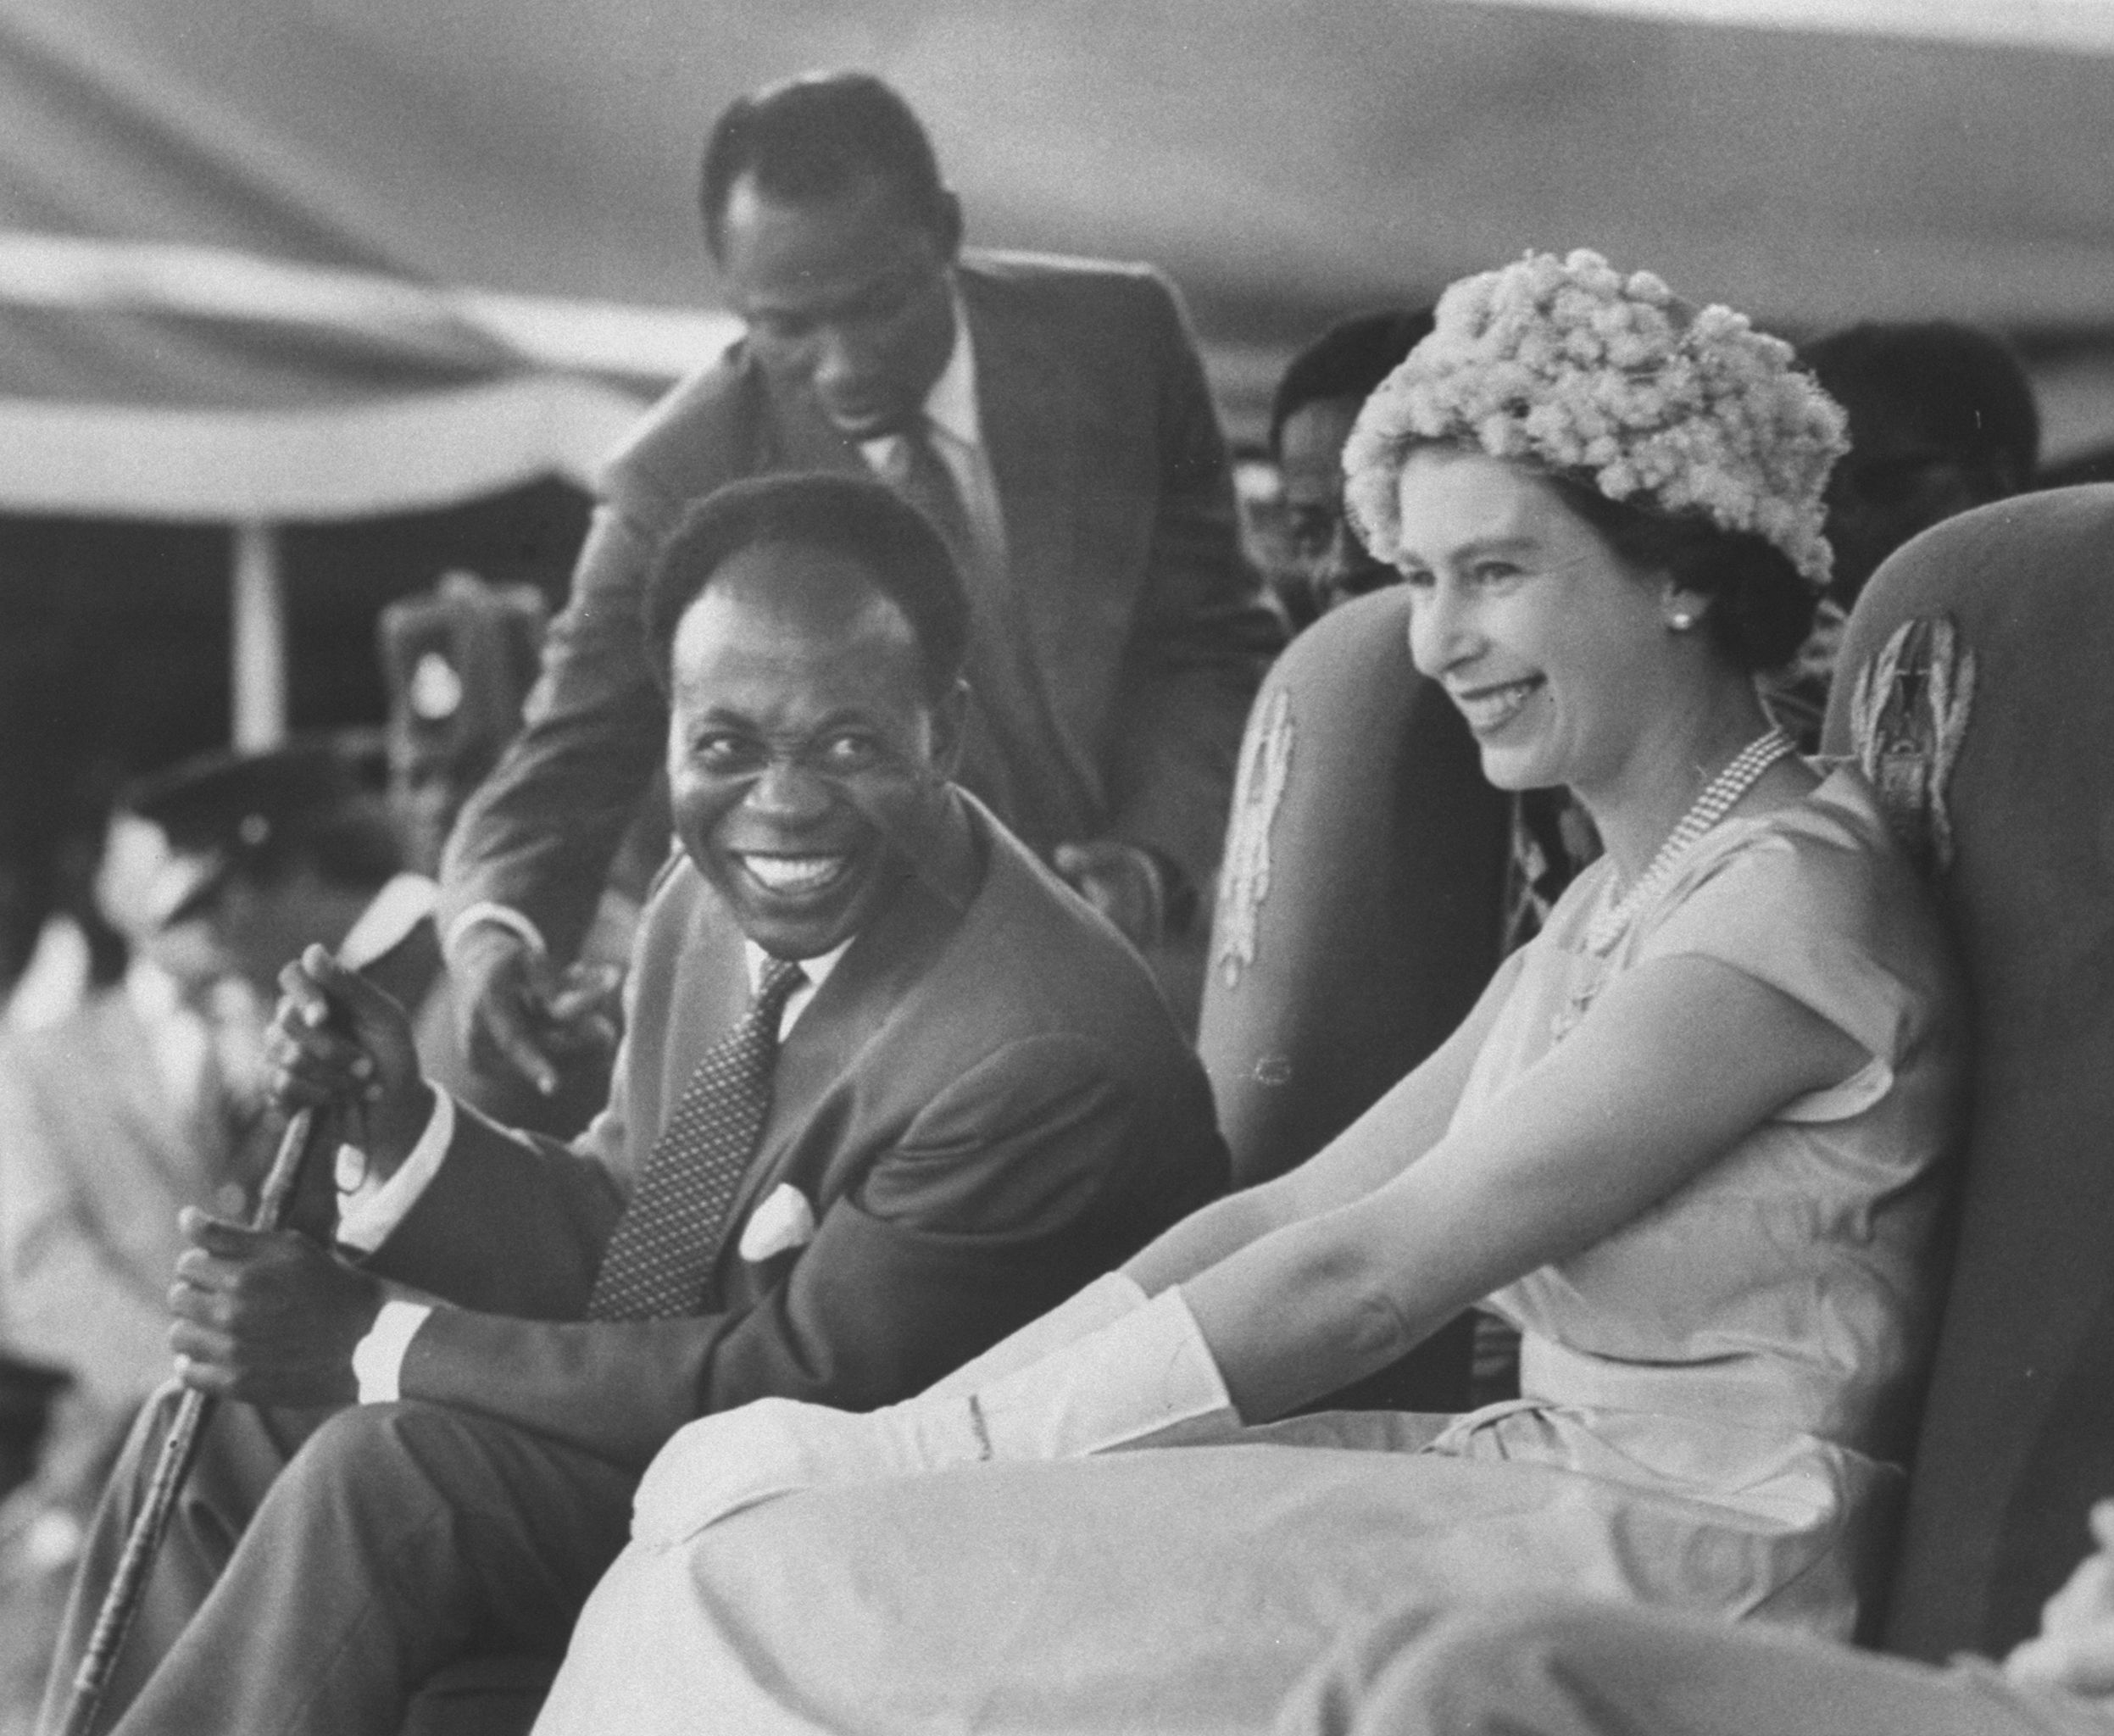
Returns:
(662, 1250)
(916, 471)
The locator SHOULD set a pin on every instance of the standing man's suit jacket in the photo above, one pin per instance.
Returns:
(1134, 634)
(982, 1108)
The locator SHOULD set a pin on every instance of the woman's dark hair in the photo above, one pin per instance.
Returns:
(1760, 609)
(857, 517)
(812, 138)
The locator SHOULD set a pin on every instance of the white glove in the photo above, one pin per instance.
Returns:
(1104, 1302)
(1147, 1380)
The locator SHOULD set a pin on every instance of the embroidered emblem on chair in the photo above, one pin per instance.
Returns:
(1244, 882)
(1908, 718)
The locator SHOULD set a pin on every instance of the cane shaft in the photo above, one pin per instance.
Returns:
(128, 1585)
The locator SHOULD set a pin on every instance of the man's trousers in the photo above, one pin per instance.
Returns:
(321, 1566)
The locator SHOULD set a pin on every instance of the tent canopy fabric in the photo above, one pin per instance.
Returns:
(270, 261)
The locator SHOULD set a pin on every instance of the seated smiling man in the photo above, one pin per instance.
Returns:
(889, 1090)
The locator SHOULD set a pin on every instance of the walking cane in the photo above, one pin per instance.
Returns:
(305, 1133)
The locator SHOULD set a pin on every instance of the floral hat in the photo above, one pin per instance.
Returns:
(1570, 365)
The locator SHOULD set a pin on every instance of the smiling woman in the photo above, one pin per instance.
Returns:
(1688, 1142)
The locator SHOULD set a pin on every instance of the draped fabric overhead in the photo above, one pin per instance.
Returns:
(263, 260)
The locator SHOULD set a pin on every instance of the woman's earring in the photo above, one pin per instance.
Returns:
(1681, 622)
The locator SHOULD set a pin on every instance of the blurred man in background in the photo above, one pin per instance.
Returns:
(1941, 418)
(114, 1115)
(147, 1096)
(1311, 418)
(1050, 417)
(457, 664)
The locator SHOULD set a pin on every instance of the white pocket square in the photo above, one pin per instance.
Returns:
(784, 1221)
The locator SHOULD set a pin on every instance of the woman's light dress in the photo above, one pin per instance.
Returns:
(1713, 1394)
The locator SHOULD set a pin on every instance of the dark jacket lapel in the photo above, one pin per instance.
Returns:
(1032, 423)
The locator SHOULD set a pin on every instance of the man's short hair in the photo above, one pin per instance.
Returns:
(1955, 385)
(814, 137)
(1348, 360)
(857, 517)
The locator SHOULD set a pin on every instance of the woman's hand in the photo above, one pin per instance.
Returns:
(337, 1039)
(1145, 1379)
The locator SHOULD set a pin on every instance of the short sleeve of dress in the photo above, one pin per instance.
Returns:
(1801, 911)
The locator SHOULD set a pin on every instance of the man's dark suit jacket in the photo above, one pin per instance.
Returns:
(1117, 672)
(985, 1107)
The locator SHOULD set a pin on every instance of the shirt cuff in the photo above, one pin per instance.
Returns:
(500, 916)
(369, 1209)
(378, 1358)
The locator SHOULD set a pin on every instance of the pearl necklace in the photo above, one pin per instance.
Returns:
(1741, 775)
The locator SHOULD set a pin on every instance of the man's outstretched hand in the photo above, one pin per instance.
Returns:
(266, 1317)
(338, 1041)
(520, 1016)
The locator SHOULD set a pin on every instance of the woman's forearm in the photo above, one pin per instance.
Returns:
(1680, 1061)
(1209, 1235)
(1303, 1312)
(1391, 1135)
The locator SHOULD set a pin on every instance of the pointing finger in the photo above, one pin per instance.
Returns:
(510, 1033)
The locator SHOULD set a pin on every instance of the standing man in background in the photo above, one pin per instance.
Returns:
(1051, 418)
(1317, 399)
(1942, 419)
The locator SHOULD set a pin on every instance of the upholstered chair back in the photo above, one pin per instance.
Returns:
(1358, 910)
(1976, 684)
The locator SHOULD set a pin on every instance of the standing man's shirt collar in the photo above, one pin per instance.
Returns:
(951, 405)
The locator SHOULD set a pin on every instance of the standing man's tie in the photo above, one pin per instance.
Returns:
(661, 1252)
(1010, 709)
(915, 469)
